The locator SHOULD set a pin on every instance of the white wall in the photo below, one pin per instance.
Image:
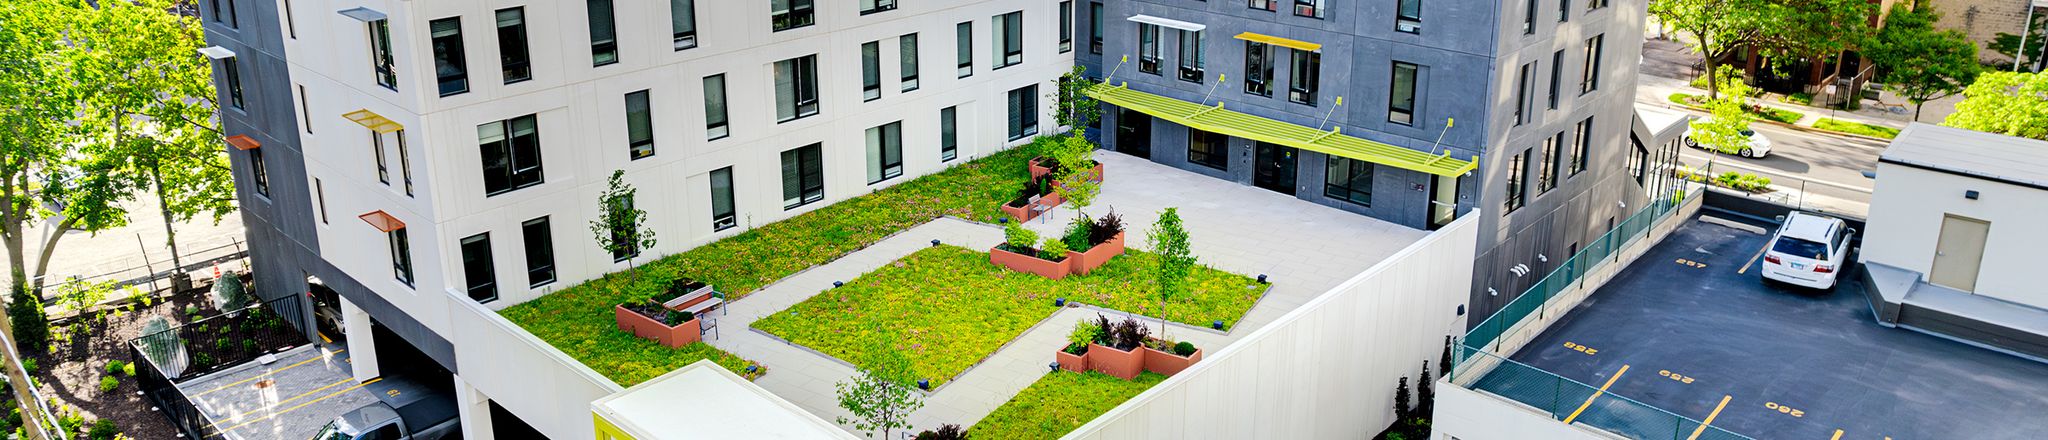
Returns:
(1906, 211)
(1475, 415)
(1326, 369)
(545, 387)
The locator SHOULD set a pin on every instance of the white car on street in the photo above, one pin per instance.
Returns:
(1808, 250)
(1758, 145)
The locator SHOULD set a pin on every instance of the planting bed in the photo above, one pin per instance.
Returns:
(1058, 403)
(71, 373)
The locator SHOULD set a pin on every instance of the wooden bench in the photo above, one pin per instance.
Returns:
(697, 301)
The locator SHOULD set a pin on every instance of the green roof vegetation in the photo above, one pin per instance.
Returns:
(1058, 403)
(1216, 119)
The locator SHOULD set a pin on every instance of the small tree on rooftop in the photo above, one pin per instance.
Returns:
(1072, 107)
(620, 227)
(882, 396)
(1401, 411)
(1075, 175)
(1169, 240)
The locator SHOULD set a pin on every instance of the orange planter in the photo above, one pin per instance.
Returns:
(1077, 363)
(1026, 213)
(1030, 263)
(640, 325)
(1168, 363)
(1040, 171)
(1114, 362)
(1097, 255)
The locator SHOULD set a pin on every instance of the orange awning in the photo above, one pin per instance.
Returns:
(382, 221)
(243, 142)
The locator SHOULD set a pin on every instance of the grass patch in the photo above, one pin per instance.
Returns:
(1059, 402)
(578, 319)
(1698, 102)
(1778, 114)
(1879, 131)
(946, 308)
(1801, 98)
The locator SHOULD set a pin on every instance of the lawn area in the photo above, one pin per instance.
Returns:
(946, 308)
(1879, 131)
(1768, 113)
(1058, 403)
(578, 319)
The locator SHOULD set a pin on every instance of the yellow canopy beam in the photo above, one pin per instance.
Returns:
(1282, 42)
(1216, 119)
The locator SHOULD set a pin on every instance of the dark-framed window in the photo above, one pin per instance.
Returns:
(682, 22)
(963, 47)
(1638, 160)
(1007, 30)
(1595, 4)
(1583, 133)
(715, 126)
(796, 88)
(377, 150)
(1401, 103)
(381, 62)
(451, 69)
(1148, 48)
(1191, 61)
(291, 25)
(873, 6)
(871, 70)
(723, 214)
(230, 18)
(511, 154)
(404, 162)
(1066, 26)
(401, 256)
(1209, 149)
(1546, 167)
(790, 14)
(1556, 76)
(1258, 68)
(885, 152)
(231, 68)
(1349, 180)
(1263, 5)
(639, 126)
(512, 55)
(1522, 93)
(604, 33)
(258, 172)
(479, 278)
(1308, 66)
(803, 176)
(949, 134)
(1095, 28)
(1517, 177)
(540, 251)
(305, 108)
(1590, 79)
(1024, 112)
(320, 199)
(1309, 8)
(625, 239)
(1529, 17)
(1408, 16)
(1564, 11)
(906, 63)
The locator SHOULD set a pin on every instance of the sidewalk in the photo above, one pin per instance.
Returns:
(1668, 67)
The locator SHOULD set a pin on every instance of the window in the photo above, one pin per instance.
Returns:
(1522, 93)
(1529, 18)
(907, 61)
(1307, 72)
(377, 150)
(258, 172)
(1516, 166)
(380, 54)
(1095, 28)
(404, 162)
(639, 126)
(1258, 68)
(715, 127)
(949, 134)
(512, 56)
(477, 274)
(231, 68)
(1348, 180)
(1066, 26)
(291, 27)
(1024, 112)
(803, 176)
(1564, 11)
(1584, 135)
(963, 47)
(790, 14)
(226, 14)
(1008, 32)
(1639, 161)
(305, 116)
(1546, 171)
(723, 216)
(625, 238)
(871, 70)
(1191, 56)
(1590, 79)
(873, 6)
(451, 70)
(885, 152)
(1595, 4)
(1556, 75)
(401, 256)
(1148, 48)
(511, 154)
(604, 35)
(320, 199)
(540, 251)
(1209, 149)
(1264, 5)
(1308, 8)
(682, 21)
(796, 88)
(1401, 105)
(1408, 16)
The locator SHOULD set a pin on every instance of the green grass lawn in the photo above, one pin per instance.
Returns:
(578, 319)
(1831, 124)
(946, 308)
(1058, 403)
(1769, 113)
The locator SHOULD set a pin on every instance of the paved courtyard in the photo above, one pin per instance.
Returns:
(290, 398)
(1304, 248)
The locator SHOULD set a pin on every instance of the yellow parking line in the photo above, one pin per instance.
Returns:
(1838, 435)
(1596, 394)
(302, 405)
(1710, 418)
(266, 374)
(1752, 259)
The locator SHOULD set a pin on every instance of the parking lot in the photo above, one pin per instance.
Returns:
(1693, 327)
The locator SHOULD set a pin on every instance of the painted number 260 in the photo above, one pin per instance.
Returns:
(1675, 376)
(1581, 348)
(1784, 409)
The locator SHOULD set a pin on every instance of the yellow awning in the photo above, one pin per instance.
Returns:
(373, 121)
(1215, 119)
(1282, 42)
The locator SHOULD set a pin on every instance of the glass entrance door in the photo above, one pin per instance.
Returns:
(1134, 133)
(1274, 168)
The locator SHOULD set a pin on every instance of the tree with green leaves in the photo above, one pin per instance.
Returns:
(620, 227)
(2012, 104)
(882, 395)
(1725, 131)
(1169, 241)
(1919, 62)
(1717, 28)
(1813, 30)
(1072, 108)
(1075, 173)
(25, 317)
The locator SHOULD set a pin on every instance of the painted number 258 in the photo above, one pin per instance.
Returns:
(1581, 348)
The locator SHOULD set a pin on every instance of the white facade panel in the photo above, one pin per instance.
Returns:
(1906, 212)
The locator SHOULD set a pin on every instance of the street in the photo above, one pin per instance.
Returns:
(1817, 170)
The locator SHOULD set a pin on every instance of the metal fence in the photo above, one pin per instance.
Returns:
(1575, 402)
(209, 345)
(142, 270)
(1795, 191)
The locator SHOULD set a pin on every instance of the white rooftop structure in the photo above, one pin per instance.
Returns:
(704, 401)
(1991, 156)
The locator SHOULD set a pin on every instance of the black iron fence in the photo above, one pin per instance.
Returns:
(210, 345)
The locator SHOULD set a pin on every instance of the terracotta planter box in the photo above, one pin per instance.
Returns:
(1040, 171)
(1026, 213)
(640, 325)
(1077, 363)
(1028, 263)
(1114, 362)
(1168, 363)
(1097, 255)
(694, 296)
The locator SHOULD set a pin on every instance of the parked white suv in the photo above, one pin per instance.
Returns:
(1809, 250)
